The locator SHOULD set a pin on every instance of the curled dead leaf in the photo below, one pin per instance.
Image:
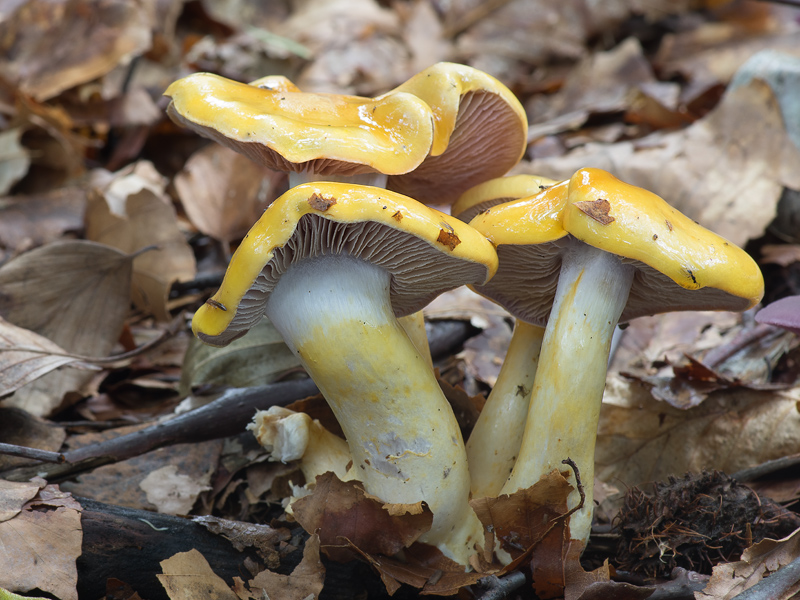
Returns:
(596, 209)
(758, 562)
(344, 515)
(25, 356)
(448, 238)
(304, 582)
(75, 293)
(521, 520)
(321, 203)
(224, 192)
(188, 576)
(47, 526)
(131, 213)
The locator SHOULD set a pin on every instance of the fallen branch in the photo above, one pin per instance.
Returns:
(498, 588)
(128, 544)
(33, 453)
(226, 416)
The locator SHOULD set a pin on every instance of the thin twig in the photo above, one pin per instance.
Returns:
(578, 484)
(224, 417)
(766, 468)
(32, 453)
(500, 587)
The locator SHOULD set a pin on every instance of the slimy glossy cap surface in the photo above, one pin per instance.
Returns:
(480, 132)
(680, 264)
(273, 123)
(497, 191)
(426, 251)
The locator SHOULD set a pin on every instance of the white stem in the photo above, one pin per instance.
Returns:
(334, 312)
(413, 324)
(495, 440)
(562, 420)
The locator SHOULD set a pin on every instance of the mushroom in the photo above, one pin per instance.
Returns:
(612, 253)
(495, 440)
(313, 137)
(498, 191)
(295, 436)
(480, 132)
(310, 136)
(782, 313)
(332, 265)
(430, 136)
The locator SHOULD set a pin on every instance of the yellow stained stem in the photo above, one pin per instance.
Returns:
(495, 441)
(414, 326)
(334, 313)
(565, 404)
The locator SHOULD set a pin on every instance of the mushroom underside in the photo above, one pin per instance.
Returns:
(485, 144)
(415, 278)
(536, 269)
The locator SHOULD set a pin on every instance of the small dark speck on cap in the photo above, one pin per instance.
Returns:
(216, 304)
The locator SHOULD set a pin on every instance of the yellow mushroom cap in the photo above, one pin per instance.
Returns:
(497, 191)
(480, 132)
(680, 264)
(426, 251)
(276, 125)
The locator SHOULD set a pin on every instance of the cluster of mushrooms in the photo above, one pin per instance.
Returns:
(343, 263)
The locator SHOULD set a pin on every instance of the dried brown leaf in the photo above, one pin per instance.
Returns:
(603, 82)
(29, 221)
(520, 521)
(641, 439)
(242, 535)
(89, 37)
(24, 429)
(465, 407)
(171, 492)
(728, 580)
(14, 495)
(598, 210)
(354, 44)
(75, 293)
(118, 483)
(257, 358)
(224, 192)
(780, 254)
(710, 55)
(507, 38)
(26, 356)
(132, 214)
(423, 35)
(305, 581)
(342, 513)
(188, 576)
(41, 544)
(425, 568)
(14, 159)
